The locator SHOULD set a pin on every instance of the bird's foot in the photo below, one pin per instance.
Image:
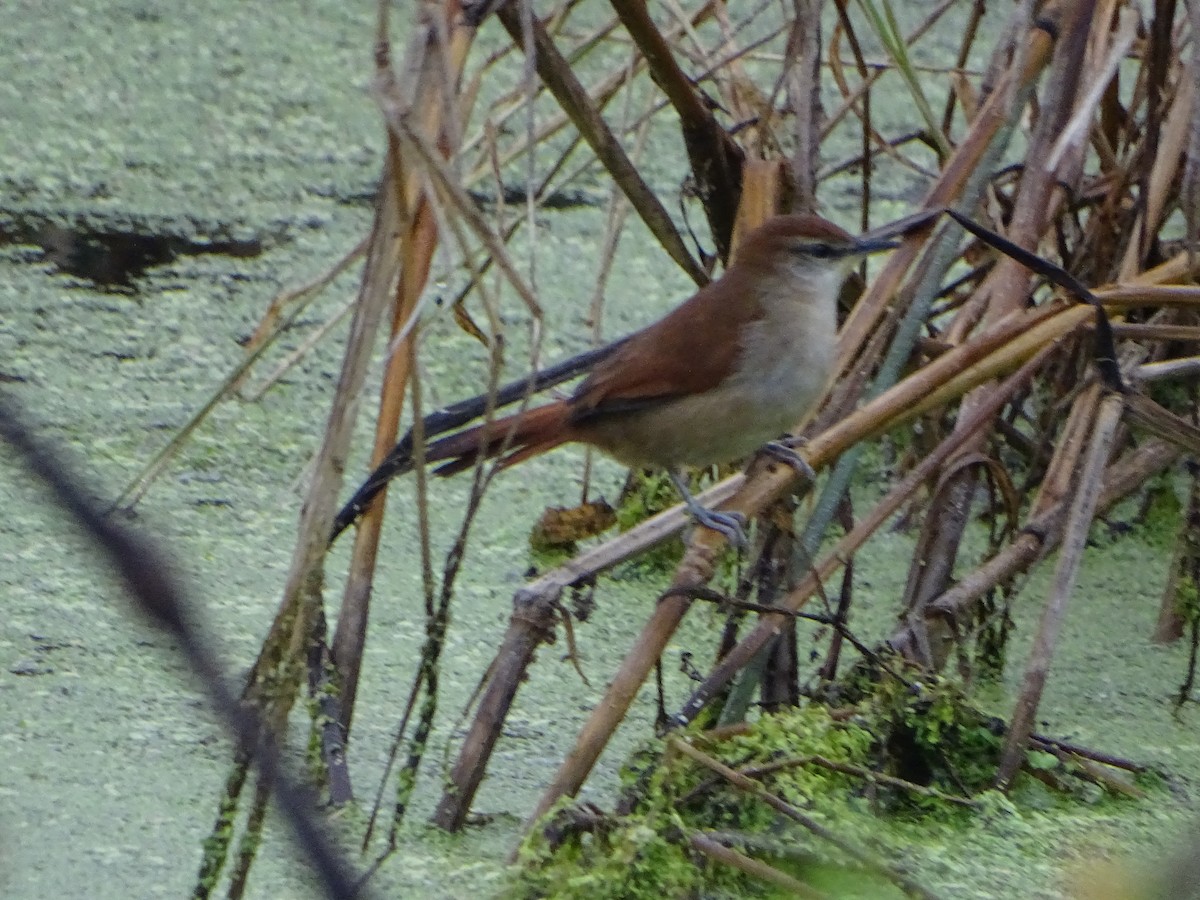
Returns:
(785, 452)
(731, 525)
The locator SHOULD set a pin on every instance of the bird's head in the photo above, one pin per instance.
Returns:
(807, 250)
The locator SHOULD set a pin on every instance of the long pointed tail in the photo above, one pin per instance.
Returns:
(518, 437)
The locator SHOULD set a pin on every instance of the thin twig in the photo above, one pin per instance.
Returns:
(752, 787)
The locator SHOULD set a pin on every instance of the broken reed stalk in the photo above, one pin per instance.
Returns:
(801, 74)
(1079, 522)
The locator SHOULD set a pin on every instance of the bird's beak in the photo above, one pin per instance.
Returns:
(865, 245)
(883, 237)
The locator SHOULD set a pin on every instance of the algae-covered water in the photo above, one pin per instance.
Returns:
(215, 124)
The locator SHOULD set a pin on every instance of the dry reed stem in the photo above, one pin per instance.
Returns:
(289, 362)
(417, 249)
(801, 67)
(1079, 522)
(991, 118)
(1170, 368)
(305, 576)
(716, 161)
(1003, 291)
(1153, 332)
(457, 199)
(1039, 537)
(1073, 133)
(1071, 441)
(985, 357)
(1179, 593)
(755, 868)
(574, 99)
(750, 786)
(768, 626)
(441, 55)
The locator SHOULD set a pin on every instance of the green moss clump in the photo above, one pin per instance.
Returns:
(902, 772)
(935, 737)
(646, 853)
(634, 860)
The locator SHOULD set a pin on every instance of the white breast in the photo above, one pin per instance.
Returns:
(785, 362)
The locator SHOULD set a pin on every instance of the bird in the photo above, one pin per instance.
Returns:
(726, 372)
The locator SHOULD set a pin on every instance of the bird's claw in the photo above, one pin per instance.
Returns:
(731, 525)
(785, 452)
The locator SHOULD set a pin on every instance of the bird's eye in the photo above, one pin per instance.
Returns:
(819, 250)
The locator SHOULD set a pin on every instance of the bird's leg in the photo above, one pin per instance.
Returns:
(730, 524)
(784, 450)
